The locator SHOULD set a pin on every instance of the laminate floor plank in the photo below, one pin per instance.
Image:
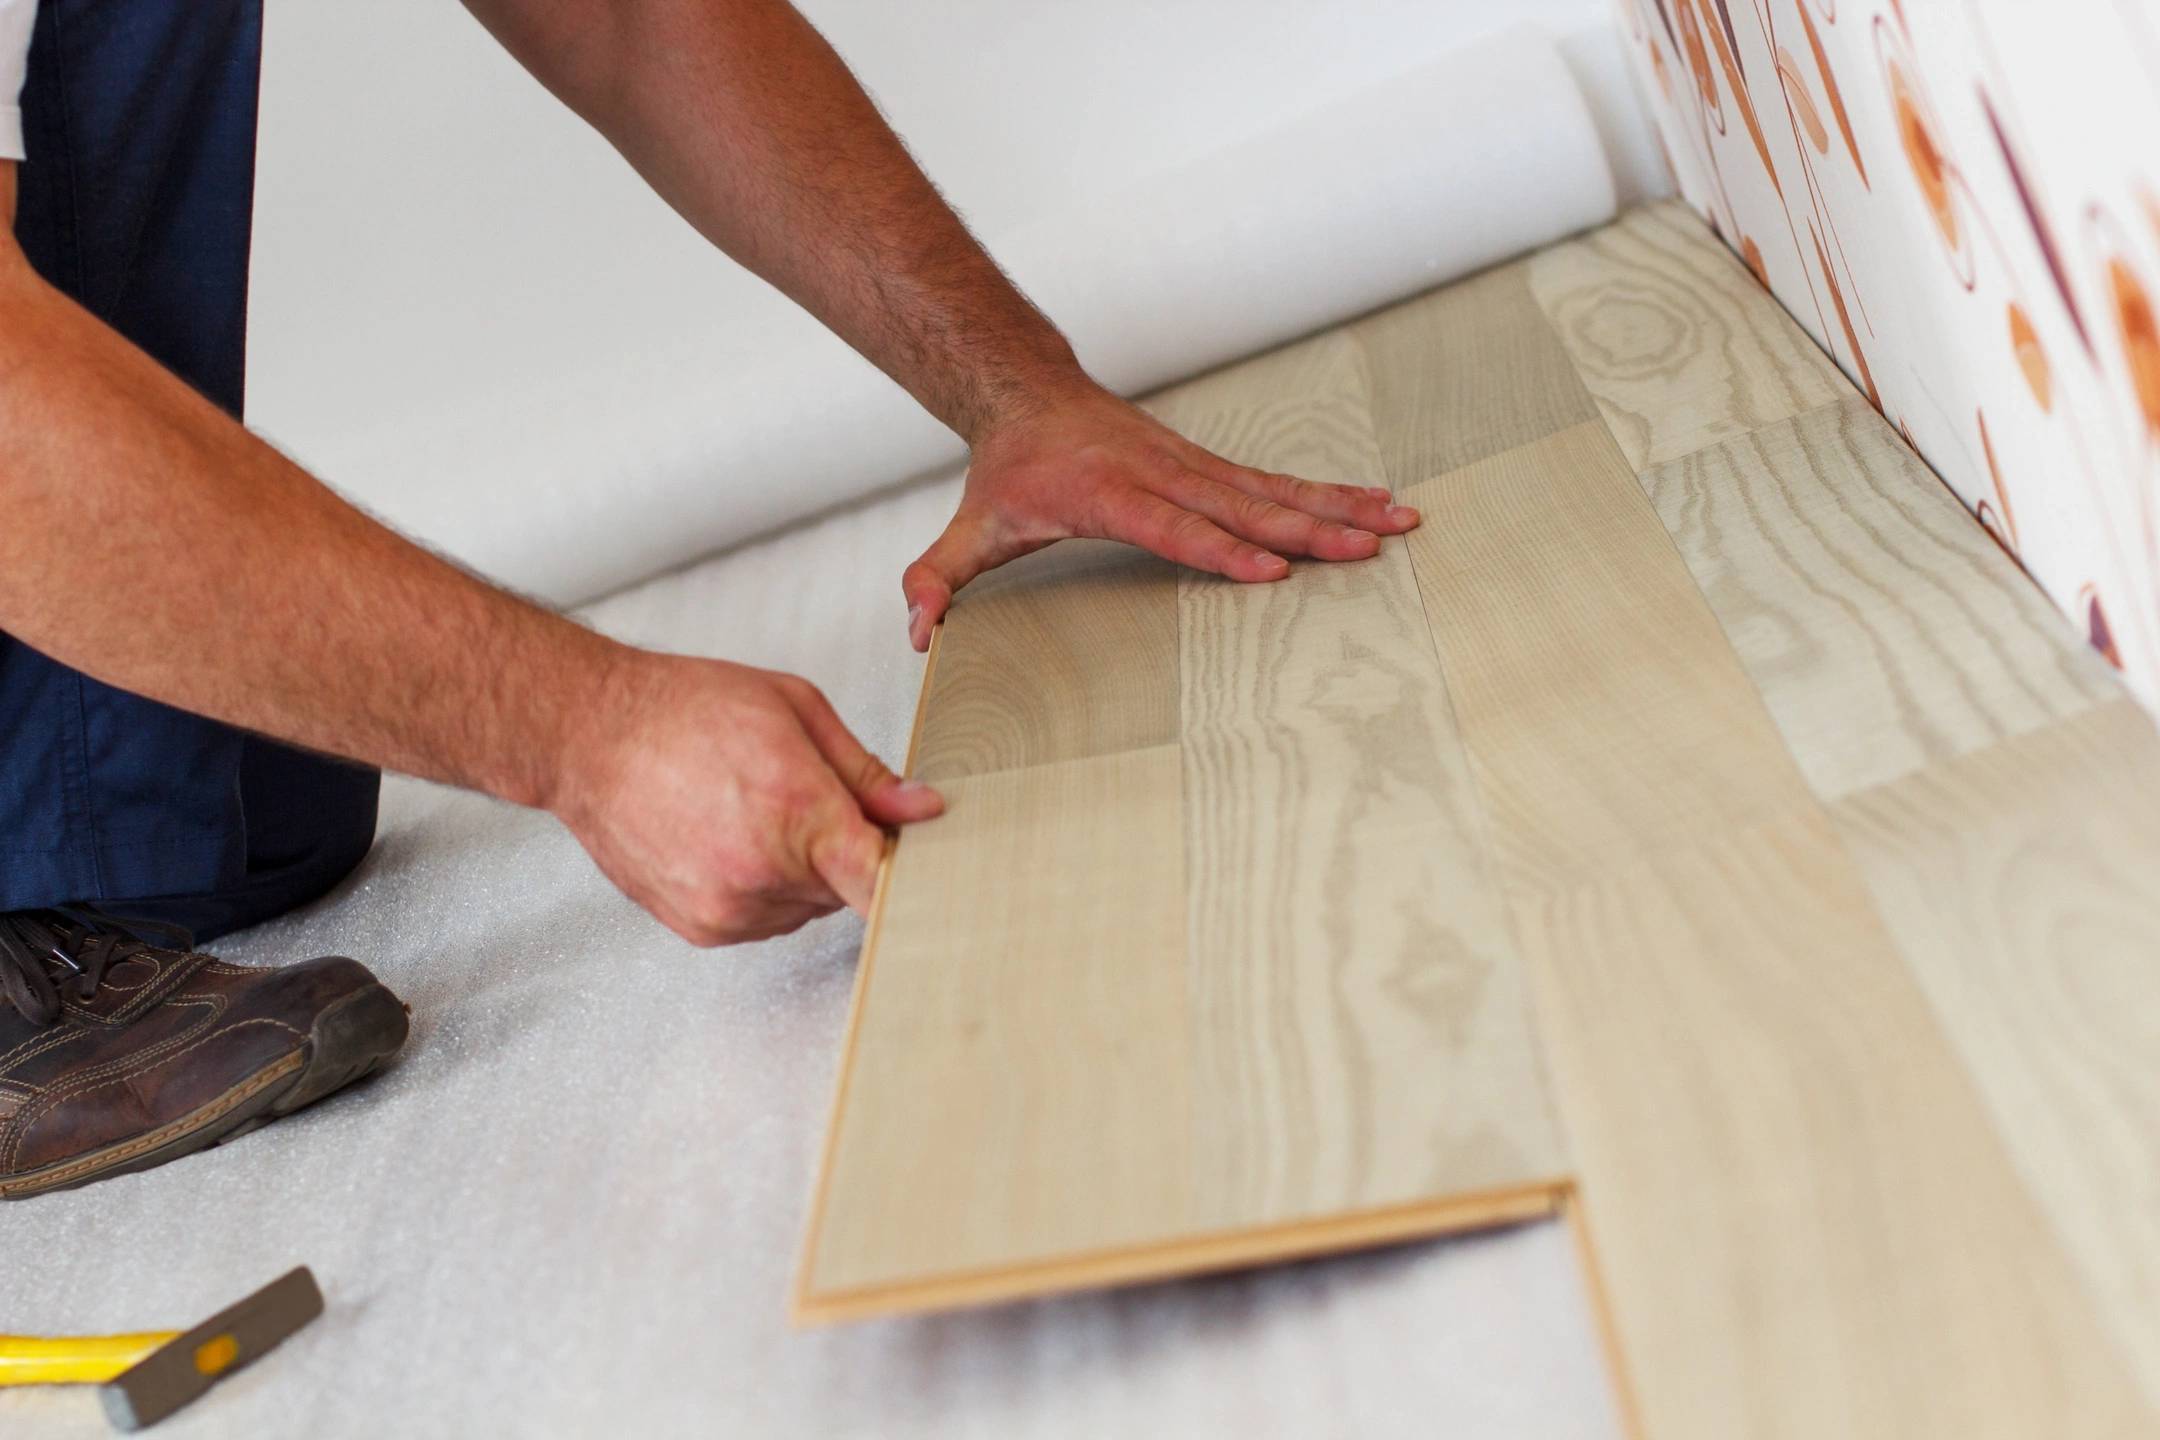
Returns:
(1564, 660)
(1367, 1038)
(2019, 880)
(1990, 778)
(1470, 371)
(1017, 1085)
(1680, 345)
(1277, 934)
(1305, 409)
(1883, 627)
(1066, 653)
(1808, 1225)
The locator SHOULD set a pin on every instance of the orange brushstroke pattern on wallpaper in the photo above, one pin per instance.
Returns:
(1961, 203)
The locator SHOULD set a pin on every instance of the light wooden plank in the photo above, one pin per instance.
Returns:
(1680, 345)
(2023, 883)
(1468, 374)
(2004, 825)
(1366, 1038)
(1808, 1226)
(1016, 1088)
(1066, 653)
(1304, 409)
(1580, 672)
(1069, 1066)
(1883, 627)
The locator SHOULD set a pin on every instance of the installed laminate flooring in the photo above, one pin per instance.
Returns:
(1697, 828)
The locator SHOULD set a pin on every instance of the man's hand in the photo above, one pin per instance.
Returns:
(1093, 465)
(730, 802)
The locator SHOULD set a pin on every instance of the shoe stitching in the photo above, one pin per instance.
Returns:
(38, 1044)
(52, 1103)
(27, 1118)
(11, 1133)
(67, 1084)
(107, 1158)
(151, 994)
(169, 977)
(154, 991)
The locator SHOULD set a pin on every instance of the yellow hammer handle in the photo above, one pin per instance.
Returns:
(71, 1359)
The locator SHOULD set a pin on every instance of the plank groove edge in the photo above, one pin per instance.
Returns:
(1197, 1254)
(1619, 1380)
(822, 1184)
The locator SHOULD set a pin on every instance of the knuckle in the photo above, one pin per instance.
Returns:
(870, 772)
(1190, 529)
(723, 913)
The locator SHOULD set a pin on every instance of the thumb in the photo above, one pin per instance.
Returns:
(965, 550)
(884, 797)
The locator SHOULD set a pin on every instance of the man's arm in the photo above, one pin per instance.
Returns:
(742, 117)
(148, 540)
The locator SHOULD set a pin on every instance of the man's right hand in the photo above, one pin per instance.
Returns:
(730, 802)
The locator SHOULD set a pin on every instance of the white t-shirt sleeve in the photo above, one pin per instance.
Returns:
(15, 18)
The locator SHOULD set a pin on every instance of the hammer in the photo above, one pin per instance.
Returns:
(147, 1376)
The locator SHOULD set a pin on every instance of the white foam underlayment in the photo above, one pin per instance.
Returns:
(574, 1208)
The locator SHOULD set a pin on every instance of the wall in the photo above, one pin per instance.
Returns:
(1961, 202)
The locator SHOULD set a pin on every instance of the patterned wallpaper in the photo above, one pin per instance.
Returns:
(1961, 202)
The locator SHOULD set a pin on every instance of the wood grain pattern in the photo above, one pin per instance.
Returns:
(1136, 1009)
(2020, 881)
(1305, 409)
(1066, 653)
(1046, 1041)
(1883, 627)
(1367, 1033)
(1997, 793)
(1564, 659)
(1808, 1225)
(1823, 859)
(1468, 371)
(1674, 337)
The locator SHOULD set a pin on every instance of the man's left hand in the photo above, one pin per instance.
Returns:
(1094, 465)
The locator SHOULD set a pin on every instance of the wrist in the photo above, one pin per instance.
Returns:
(580, 714)
(1021, 400)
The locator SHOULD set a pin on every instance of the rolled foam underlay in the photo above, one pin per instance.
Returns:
(599, 471)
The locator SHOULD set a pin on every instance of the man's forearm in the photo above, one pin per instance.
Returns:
(149, 540)
(746, 121)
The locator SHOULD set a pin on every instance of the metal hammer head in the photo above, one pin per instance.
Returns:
(186, 1365)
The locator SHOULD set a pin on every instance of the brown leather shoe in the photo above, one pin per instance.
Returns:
(117, 1053)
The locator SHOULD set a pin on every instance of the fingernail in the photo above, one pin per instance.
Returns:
(1379, 492)
(927, 801)
(1359, 537)
(914, 616)
(1402, 515)
(1270, 563)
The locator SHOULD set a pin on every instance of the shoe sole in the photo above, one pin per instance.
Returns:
(347, 1042)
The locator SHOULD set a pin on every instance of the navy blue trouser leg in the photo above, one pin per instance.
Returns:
(137, 200)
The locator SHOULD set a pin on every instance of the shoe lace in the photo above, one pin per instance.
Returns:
(42, 952)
